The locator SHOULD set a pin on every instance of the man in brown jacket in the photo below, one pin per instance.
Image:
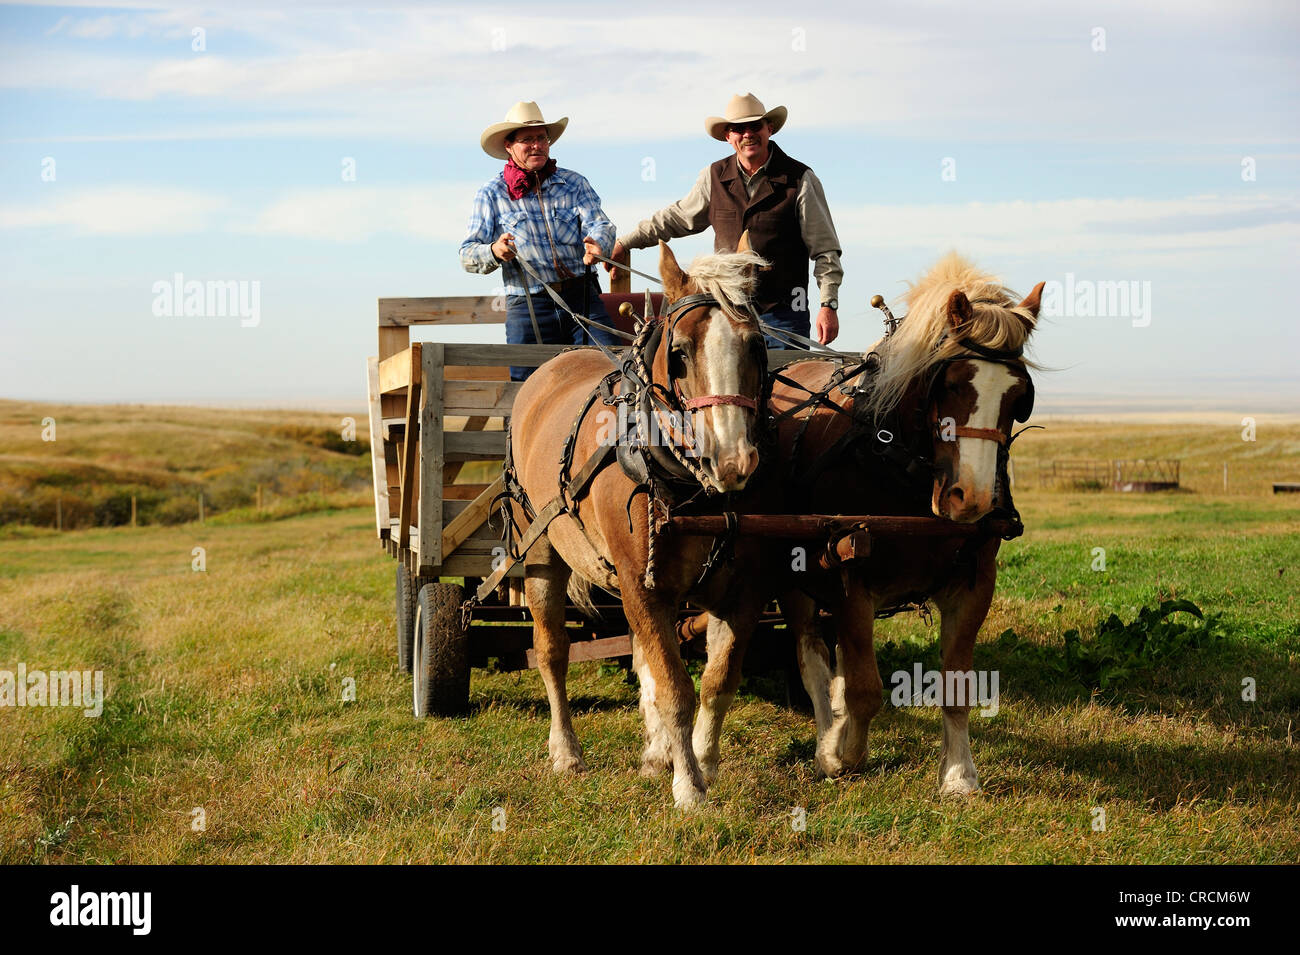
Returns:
(779, 200)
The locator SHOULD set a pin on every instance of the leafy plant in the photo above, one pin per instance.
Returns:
(1120, 651)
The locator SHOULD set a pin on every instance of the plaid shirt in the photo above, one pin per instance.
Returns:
(574, 212)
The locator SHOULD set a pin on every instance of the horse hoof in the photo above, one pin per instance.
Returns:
(686, 795)
(830, 767)
(655, 767)
(960, 786)
(569, 764)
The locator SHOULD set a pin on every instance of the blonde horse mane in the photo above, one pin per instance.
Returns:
(919, 342)
(730, 277)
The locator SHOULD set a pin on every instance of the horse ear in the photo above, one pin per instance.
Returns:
(1033, 300)
(959, 309)
(674, 278)
(743, 245)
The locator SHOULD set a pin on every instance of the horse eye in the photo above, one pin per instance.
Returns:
(677, 362)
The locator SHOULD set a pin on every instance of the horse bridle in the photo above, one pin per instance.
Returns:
(676, 312)
(1012, 358)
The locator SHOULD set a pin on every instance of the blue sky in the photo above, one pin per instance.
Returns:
(1108, 156)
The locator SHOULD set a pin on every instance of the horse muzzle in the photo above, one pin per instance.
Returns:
(963, 501)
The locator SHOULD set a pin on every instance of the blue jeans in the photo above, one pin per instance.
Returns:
(557, 328)
(787, 319)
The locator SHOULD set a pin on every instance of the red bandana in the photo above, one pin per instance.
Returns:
(520, 183)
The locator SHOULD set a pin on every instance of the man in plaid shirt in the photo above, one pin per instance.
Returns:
(548, 217)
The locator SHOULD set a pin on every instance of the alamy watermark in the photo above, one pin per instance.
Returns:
(1085, 298)
(226, 298)
(638, 429)
(75, 907)
(924, 687)
(83, 689)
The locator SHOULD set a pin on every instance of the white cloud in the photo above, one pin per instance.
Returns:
(1073, 227)
(349, 213)
(119, 211)
(945, 73)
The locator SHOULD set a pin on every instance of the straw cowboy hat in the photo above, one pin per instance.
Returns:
(521, 114)
(744, 109)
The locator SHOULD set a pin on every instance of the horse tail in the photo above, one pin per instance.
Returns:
(580, 592)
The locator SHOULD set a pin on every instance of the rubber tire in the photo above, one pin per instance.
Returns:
(440, 677)
(407, 591)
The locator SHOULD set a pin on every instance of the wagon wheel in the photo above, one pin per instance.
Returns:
(440, 652)
(407, 591)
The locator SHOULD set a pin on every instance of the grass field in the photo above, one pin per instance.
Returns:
(86, 462)
(225, 693)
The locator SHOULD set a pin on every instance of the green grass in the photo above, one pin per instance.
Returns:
(225, 692)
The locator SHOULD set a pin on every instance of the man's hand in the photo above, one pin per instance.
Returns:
(618, 255)
(828, 325)
(593, 249)
(504, 248)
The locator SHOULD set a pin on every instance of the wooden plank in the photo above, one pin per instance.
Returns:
(392, 341)
(471, 519)
(392, 471)
(488, 547)
(378, 471)
(601, 649)
(485, 533)
(442, 310)
(492, 398)
(410, 462)
(474, 445)
(400, 370)
(526, 356)
(432, 458)
(460, 493)
(458, 566)
(476, 373)
(472, 423)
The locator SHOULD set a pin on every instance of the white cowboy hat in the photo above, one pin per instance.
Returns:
(521, 114)
(744, 109)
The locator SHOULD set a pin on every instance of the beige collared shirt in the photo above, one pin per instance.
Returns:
(691, 215)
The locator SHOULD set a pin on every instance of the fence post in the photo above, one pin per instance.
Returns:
(58, 512)
(133, 510)
(200, 507)
(1225, 477)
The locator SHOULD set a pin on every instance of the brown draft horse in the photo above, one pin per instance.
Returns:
(712, 356)
(944, 389)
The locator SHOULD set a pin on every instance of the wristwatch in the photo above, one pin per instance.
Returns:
(833, 304)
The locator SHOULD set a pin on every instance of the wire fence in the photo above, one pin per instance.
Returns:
(1251, 479)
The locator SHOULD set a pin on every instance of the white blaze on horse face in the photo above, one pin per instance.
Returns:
(977, 458)
(733, 458)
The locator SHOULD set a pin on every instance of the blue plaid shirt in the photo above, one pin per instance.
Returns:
(574, 213)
